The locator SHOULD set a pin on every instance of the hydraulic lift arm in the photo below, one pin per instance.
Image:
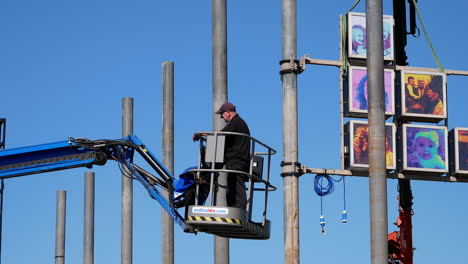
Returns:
(400, 243)
(81, 152)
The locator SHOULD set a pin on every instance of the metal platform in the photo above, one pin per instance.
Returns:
(226, 222)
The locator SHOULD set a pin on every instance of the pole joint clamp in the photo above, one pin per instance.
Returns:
(298, 172)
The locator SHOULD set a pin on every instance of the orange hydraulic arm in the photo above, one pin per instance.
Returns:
(400, 243)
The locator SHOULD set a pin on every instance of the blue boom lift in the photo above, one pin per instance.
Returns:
(82, 152)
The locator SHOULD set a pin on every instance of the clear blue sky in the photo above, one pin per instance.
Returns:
(66, 65)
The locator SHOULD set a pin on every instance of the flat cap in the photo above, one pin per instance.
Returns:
(226, 107)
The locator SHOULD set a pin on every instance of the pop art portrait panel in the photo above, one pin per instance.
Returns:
(359, 94)
(357, 36)
(359, 144)
(459, 151)
(423, 96)
(425, 148)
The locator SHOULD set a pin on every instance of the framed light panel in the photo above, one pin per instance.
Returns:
(459, 151)
(358, 145)
(423, 96)
(424, 149)
(357, 36)
(357, 102)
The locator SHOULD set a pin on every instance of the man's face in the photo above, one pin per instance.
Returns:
(411, 82)
(425, 148)
(431, 94)
(225, 115)
(421, 83)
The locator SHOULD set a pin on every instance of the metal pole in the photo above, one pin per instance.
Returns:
(127, 189)
(377, 166)
(2, 184)
(60, 227)
(290, 145)
(2, 188)
(219, 82)
(167, 223)
(88, 236)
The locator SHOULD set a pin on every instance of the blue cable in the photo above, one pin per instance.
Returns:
(322, 189)
(324, 185)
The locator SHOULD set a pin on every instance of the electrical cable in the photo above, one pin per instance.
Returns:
(344, 38)
(324, 185)
(327, 189)
(436, 58)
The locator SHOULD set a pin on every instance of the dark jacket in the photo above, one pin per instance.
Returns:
(237, 148)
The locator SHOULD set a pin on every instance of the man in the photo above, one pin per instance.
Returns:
(412, 88)
(236, 154)
(431, 101)
(413, 97)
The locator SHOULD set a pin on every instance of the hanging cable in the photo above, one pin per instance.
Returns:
(324, 185)
(344, 215)
(344, 38)
(441, 69)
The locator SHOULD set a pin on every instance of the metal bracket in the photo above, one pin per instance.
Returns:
(297, 173)
(290, 66)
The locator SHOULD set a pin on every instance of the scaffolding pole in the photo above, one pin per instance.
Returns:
(127, 189)
(219, 82)
(290, 135)
(167, 223)
(60, 227)
(377, 165)
(88, 236)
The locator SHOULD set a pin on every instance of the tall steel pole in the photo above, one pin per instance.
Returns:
(290, 145)
(377, 166)
(127, 189)
(219, 82)
(167, 223)
(88, 236)
(60, 227)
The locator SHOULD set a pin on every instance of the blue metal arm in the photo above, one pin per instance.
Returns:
(82, 152)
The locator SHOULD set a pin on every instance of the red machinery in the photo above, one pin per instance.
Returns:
(400, 243)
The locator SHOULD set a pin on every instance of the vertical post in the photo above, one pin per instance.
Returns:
(219, 82)
(377, 166)
(290, 145)
(2, 188)
(127, 189)
(60, 227)
(88, 236)
(167, 223)
(2, 184)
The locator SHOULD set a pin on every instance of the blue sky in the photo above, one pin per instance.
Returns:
(66, 65)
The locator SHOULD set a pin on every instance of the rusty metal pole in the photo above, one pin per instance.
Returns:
(290, 136)
(377, 166)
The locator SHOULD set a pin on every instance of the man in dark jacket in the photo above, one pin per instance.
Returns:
(236, 154)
